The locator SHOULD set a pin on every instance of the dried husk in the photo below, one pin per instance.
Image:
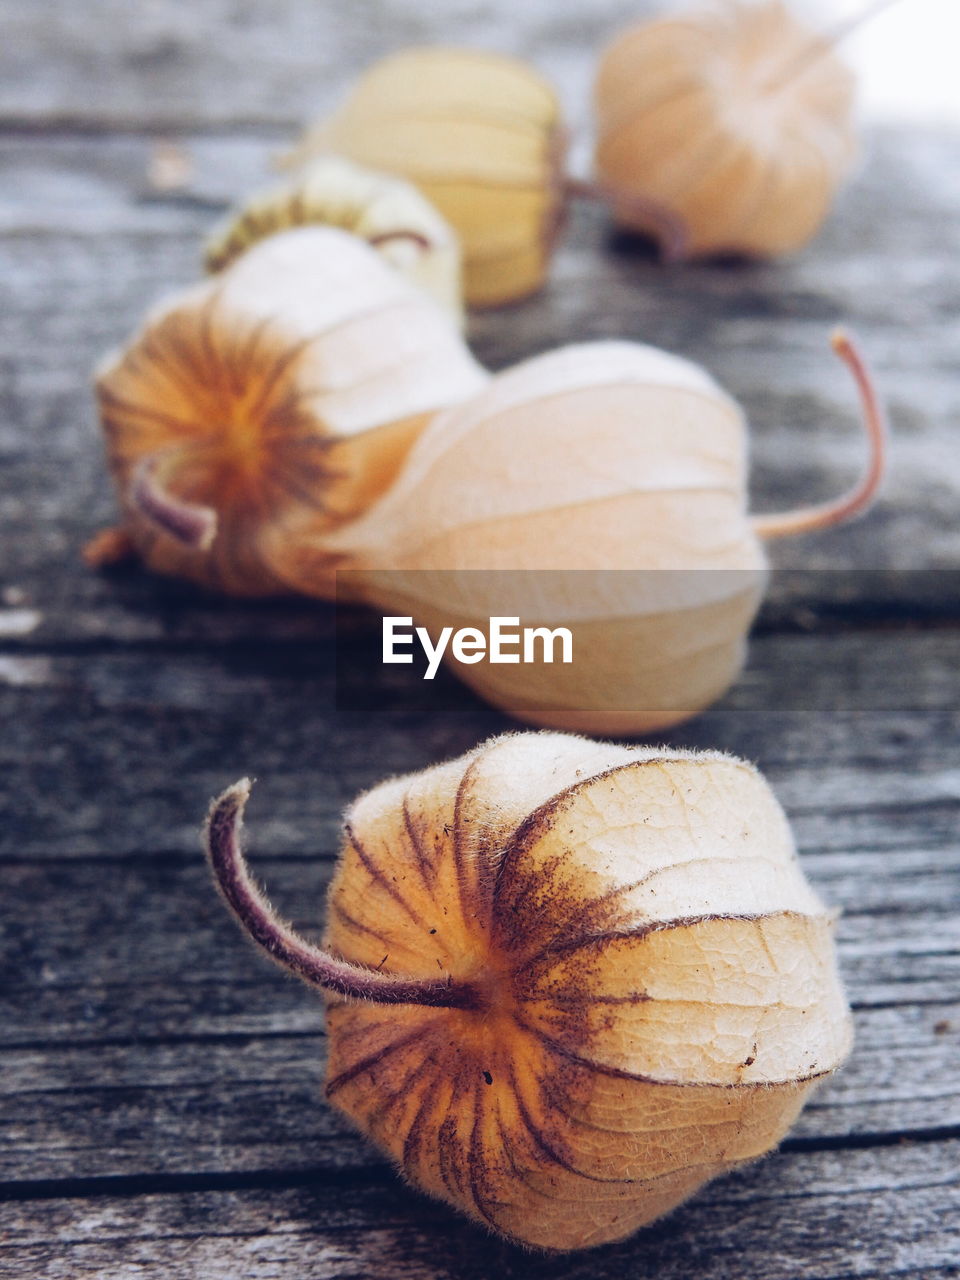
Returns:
(735, 117)
(387, 212)
(648, 984)
(600, 487)
(481, 136)
(271, 403)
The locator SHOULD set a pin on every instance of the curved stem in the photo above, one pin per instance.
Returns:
(667, 227)
(315, 966)
(192, 525)
(823, 44)
(858, 499)
(387, 237)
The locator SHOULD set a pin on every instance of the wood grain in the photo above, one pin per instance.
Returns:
(264, 63)
(85, 253)
(118, 752)
(160, 1108)
(806, 1214)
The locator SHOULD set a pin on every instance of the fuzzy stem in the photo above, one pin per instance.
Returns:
(316, 967)
(859, 498)
(822, 44)
(667, 227)
(192, 525)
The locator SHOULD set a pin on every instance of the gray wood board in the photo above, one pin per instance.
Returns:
(876, 1213)
(266, 62)
(176, 1105)
(119, 752)
(144, 1035)
(885, 264)
(162, 1109)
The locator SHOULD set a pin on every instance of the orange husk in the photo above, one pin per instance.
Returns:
(257, 411)
(736, 118)
(628, 987)
(601, 488)
(481, 136)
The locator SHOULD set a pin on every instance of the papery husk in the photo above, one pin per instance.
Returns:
(600, 487)
(481, 136)
(734, 117)
(278, 399)
(387, 212)
(657, 983)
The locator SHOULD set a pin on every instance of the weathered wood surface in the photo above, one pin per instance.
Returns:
(875, 1214)
(116, 754)
(75, 284)
(162, 1084)
(160, 1105)
(230, 66)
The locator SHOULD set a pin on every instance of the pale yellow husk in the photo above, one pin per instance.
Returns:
(600, 487)
(386, 211)
(481, 136)
(660, 988)
(283, 394)
(734, 117)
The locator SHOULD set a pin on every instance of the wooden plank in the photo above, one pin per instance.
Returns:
(78, 286)
(163, 1104)
(871, 671)
(66, 934)
(870, 789)
(67, 988)
(173, 1046)
(77, 185)
(165, 66)
(119, 753)
(235, 1000)
(255, 1103)
(809, 1216)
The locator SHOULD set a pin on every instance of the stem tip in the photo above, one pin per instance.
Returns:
(294, 953)
(192, 525)
(858, 499)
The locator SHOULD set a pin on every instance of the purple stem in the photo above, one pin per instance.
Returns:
(261, 923)
(192, 525)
